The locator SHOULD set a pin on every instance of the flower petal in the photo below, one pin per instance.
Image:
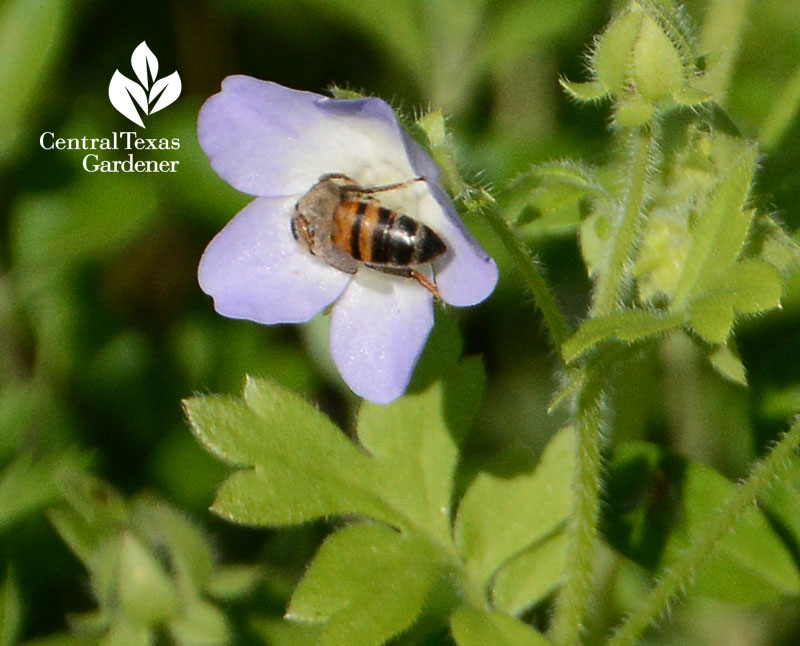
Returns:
(378, 329)
(256, 270)
(467, 274)
(266, 139)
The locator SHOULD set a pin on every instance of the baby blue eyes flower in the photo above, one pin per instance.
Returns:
(276, 143)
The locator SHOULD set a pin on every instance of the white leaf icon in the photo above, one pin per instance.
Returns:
(169, 88)
(120, 91)
(143, 59)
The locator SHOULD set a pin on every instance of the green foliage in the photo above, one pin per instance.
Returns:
(150, 569)
(369, 582)
(657, 501)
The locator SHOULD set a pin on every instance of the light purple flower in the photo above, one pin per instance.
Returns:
(275, 143)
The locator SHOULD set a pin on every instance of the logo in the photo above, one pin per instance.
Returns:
(151, 94)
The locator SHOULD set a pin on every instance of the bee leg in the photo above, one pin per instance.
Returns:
(407, 272)
(427, 284)
(365, 190)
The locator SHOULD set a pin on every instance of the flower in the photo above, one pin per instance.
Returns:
(275, 143)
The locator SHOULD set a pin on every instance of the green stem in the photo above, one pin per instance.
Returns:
(542, 295)
(582, 528)
(611, 280)
(781, 114)
(679, 577)
(720, 39)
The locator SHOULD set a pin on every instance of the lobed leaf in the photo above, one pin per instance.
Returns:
(303, 466)
(414, 445)
(528, 578)
(367, 582)
(473, 627)
(500, 517)
(750, 286)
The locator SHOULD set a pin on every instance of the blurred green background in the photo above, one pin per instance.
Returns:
(103, 328)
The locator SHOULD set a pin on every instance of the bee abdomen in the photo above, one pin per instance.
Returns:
(374, 234)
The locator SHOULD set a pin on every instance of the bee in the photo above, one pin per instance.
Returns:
(341, 223)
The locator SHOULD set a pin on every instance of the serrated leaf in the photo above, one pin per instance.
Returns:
(500, 517)
(304, 466)
(657, 501)
(528, 578)
(414, 443)
(626, 325)
(10, 610)
(367, 582)
(200, 624)
(749, 287)
(657, 65)
(611, 58)
(728, 364)
(589, 91)
(722, 224)
(472, 627)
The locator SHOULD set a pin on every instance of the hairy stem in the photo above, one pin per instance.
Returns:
(534, 279)
(720, 39)
(582, 527)
(679, 577)
(611, 280)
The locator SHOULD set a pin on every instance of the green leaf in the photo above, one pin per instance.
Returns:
(191, 558)
(200, 624)
(414, 443)
(304, 466)
(10, 610)
(691, 97)
(277, 632)
(657, 65)
(728, 364)
(471, 627)
(500, 517)
(94, 513)
(367, 582)
(749, 287)
(722, 224)
(528, 578)
(232, 582)
(146, 593)
(32, 34)
(589, 91)
(611, 58)
(29, 484)
(657, 501)
(626, 325)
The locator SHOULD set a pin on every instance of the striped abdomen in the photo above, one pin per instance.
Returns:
(376, 235)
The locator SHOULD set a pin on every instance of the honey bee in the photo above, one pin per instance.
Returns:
(339, 222)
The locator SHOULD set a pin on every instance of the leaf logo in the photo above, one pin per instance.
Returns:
(150, 94)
